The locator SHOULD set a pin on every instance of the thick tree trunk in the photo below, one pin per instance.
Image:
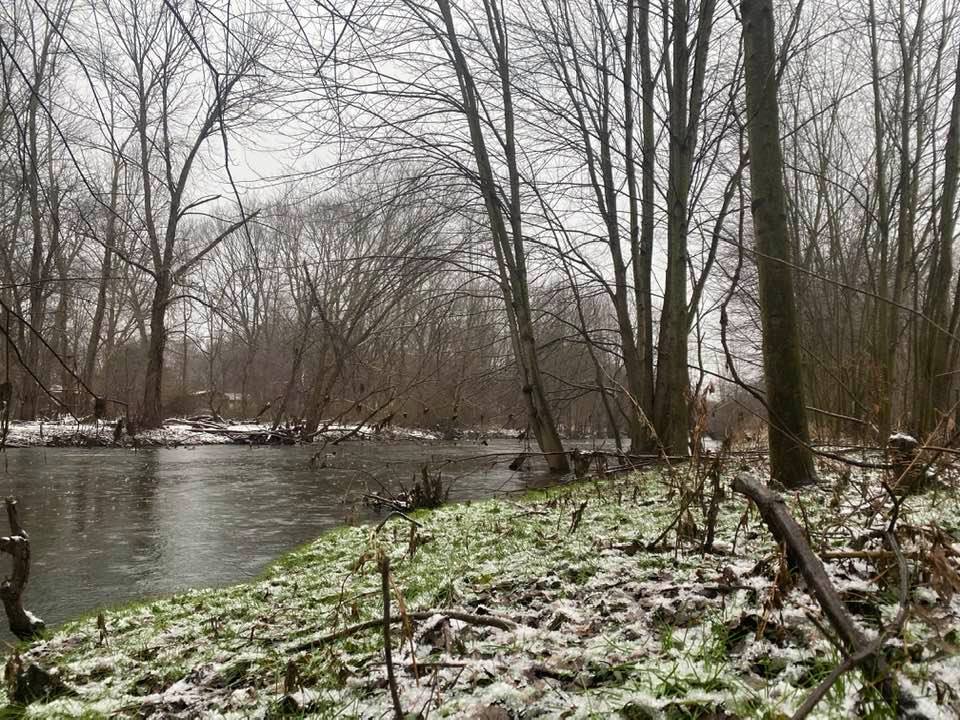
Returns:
(152, 412)
(790, 456)
(933, 394)
(672, 389)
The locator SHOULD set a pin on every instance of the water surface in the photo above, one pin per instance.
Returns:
(111, 525)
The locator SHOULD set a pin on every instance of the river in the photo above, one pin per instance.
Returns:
(110, 525)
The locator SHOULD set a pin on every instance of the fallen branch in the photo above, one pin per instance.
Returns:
(787, 532)
(870, 649)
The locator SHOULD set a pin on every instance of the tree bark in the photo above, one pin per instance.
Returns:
(933, 400)
(790, 457)
(672, 388)
(23, 624)
(151, 415)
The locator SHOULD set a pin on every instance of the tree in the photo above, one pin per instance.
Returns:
(162, 54)
(933, 391)
(686, 92)
(791, 460)
(505, 216)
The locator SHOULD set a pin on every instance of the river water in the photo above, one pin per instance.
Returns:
(110, 525)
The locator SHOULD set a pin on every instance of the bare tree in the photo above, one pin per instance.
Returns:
(165, 52)
(791, 461)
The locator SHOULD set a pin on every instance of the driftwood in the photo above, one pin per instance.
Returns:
(272, 436)
(24, 624)
(860, 652)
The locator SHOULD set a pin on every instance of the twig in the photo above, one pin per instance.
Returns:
(391, 678)
(399, 514)
(824, 687)
(380, 500)
(577, 517)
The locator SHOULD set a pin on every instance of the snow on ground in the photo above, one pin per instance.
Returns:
(177, 432)
(602, 625)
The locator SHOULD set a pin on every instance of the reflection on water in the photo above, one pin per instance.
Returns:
(108, 526)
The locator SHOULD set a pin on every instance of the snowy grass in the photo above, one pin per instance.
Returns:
(605, 628)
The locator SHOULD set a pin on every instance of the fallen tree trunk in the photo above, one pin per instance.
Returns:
(860, 651)
(24, 624)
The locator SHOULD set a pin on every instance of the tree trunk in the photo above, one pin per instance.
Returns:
(642, 252)
(106, 268)
(933, 400)
(31, 390)
(152, 413)
(508, 245)
(671, 401)
(790, 457)
(905, 224)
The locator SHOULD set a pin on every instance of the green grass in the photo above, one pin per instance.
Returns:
(228, 648)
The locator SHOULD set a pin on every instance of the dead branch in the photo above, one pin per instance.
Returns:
(24, 624)
(787, 532)
(397, 513)
(871, 648)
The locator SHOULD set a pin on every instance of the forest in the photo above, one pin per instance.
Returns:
(691, 254)
(533, 216)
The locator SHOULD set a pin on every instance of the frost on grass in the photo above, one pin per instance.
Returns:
(605, 627)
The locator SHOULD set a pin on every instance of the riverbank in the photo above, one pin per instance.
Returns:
(184, 432)
(554, 605)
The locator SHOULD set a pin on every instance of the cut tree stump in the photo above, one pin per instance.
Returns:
(24, 624)
(908, 473)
